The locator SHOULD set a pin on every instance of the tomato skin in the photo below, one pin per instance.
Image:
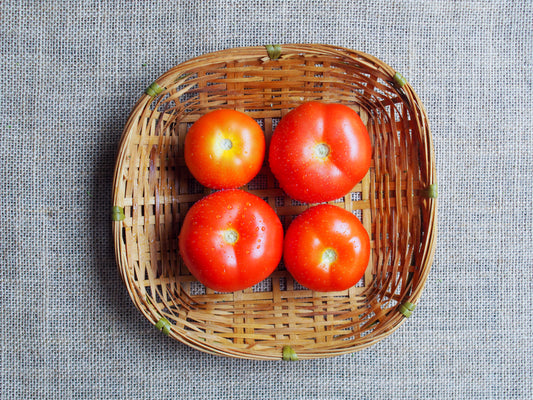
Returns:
(209, 256)
(210, 158)
(326, 228)
(295, 160)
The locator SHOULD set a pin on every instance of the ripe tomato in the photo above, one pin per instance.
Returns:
(319, 152)
(224, 149)
(231, 240)
(326, 249)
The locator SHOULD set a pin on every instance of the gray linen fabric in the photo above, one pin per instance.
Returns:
(72, 71)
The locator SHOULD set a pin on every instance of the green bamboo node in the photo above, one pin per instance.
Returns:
(399, 79)
(163, 325)
(431, 191)
(117, 213)
(274, 51)
(406, 308)
(154, 89)
(289, 354)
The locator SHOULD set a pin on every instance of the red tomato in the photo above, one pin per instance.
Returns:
(326, 249)
(231, 240)
(224, 149)
(319, 152)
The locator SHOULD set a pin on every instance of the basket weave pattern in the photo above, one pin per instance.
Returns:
(395, 201)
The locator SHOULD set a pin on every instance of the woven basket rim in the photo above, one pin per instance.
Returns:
(168, 79)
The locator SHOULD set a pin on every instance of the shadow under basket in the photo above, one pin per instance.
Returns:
(277, 318)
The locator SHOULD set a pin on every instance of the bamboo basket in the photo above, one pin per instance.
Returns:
(277, 318)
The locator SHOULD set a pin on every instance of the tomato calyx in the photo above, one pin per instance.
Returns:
(329, 256)
(322, 151)
(225, 144)
(231, 236)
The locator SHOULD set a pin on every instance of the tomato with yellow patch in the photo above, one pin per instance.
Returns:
(224, 149)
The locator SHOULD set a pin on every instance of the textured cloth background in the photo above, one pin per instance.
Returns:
(72, 71)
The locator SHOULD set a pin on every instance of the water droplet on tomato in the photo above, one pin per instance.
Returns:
(262, 228)
(258, 247)
(218, 217)
(230, 207)
(249, 204)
